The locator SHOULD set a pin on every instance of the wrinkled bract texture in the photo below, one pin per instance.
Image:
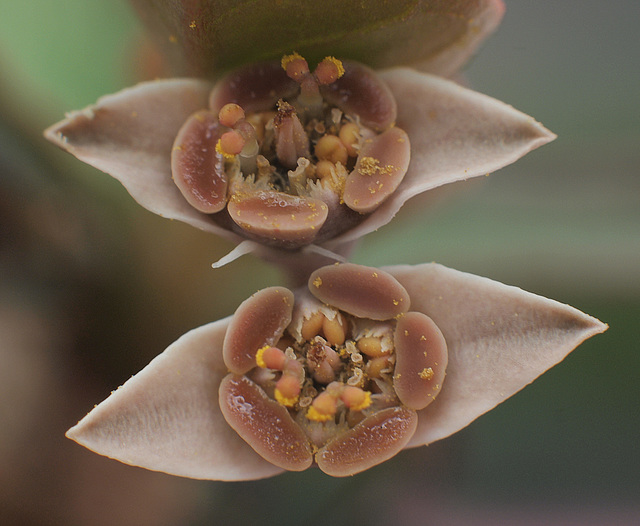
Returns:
(498, 340)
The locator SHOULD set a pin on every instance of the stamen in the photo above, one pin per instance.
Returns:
(312, 326)
(295, 66)
(230, 114)
(325, 169)
(287, 390)
(269, 357)
(371, 346)
(350, 136)
(230, 144)
(376, 366)
(328, 71)
(323, 408)
(355, 398)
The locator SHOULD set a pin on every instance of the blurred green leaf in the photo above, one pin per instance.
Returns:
(66, 53)
(205, 37)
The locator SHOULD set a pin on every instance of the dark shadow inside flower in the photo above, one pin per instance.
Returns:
(287, 156)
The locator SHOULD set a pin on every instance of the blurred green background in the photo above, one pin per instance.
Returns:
(92, 287)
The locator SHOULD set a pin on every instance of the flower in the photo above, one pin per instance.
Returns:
(454, 133)
(343, 374)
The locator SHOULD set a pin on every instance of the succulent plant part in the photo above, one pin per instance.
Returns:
(341, 374)
(296, 161)
(336, 382)
(292, 156)
(289, 164)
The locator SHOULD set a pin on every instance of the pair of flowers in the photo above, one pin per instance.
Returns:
(296, 164)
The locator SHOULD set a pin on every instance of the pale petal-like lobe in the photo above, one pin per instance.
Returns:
(499, 339)
(455, 134)
(207, 37)
(130, 135)
(167, 417)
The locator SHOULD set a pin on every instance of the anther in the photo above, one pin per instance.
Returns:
(350, 136)
(323, 408)
(287, 390)
(230, 114)
(230, 144)
(270, 358)
(355, 398)
(328, 71)
(325, 169)
(371, 346)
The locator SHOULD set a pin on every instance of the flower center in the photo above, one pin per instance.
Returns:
(290, 156)
(332, 376)
(300, 146)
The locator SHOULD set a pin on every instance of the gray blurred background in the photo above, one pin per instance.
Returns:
(92, 287)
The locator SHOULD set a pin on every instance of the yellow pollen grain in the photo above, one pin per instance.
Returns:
(423, 338)
(337, 63)
(371, 166)
(193, 24)
(406, 333)
(396, 302)
(366, 402)
(426, 373)
(316, 416)
(287, 59)
(260, 357)
(285, 401)
(375, 274)
(220, 151)
(317, 282)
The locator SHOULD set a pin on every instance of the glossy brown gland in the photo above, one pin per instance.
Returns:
(197, 168)
(421, 360)
(258, 321)
(264, 424)
(374, 440)
(365, 292)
